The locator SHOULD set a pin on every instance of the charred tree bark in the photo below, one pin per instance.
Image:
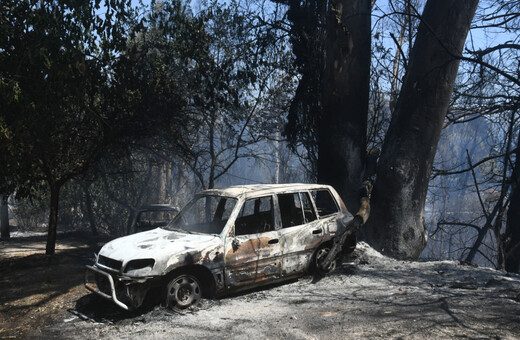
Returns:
(512, 233)
(397, 226)
(343, 123)
(4, 218)
(53, 217)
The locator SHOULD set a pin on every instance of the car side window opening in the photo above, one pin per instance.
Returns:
(256, 216)
(325, 203)
(308, 209)
(291, 211)
(206, 214)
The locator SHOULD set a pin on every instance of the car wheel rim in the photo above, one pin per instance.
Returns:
(320, 257)
(184, 291)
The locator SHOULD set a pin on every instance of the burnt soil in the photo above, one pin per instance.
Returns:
(367, 296)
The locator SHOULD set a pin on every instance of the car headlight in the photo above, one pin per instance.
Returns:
(139, 267)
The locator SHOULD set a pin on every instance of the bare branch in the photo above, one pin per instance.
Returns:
(473, 166)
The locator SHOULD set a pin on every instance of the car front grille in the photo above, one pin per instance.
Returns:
(110, 263)
(103, 284)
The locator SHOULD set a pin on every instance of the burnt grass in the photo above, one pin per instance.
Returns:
(367, 296)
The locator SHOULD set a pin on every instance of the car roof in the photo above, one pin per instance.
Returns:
(158, 207)
(263, 189)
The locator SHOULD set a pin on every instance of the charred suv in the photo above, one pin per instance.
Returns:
(223, 240)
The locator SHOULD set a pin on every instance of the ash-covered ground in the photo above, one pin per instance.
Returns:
(368, 296)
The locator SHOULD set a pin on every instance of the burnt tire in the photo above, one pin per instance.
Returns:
(183, 291)
(318, 258)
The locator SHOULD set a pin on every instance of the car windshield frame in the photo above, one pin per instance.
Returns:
(214, 227)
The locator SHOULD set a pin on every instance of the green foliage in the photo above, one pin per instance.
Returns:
(55, 117)
(96, 97)
(151, 75)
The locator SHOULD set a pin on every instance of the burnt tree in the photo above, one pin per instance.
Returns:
(328, 114)
(397, 226)
(343, 121)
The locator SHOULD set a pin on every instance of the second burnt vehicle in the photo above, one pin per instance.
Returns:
(152, 216)
(224, 240)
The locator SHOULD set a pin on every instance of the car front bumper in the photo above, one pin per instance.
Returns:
(93, 276)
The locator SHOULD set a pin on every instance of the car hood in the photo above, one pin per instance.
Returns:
(164, 246)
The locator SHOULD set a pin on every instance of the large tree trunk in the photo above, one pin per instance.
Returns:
(162, 183)
(343, 124)
(512, 233)
(4, 218)
(397, 226)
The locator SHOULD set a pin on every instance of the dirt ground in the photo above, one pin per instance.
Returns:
(368, 296)
(38, 290)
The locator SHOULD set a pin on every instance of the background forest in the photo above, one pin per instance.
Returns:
(106, 106)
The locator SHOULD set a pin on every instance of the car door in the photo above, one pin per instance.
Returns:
(301, 231)
(253, 250)
(328, 209)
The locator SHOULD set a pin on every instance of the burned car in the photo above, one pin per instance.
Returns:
(152, 216)
(223, 240)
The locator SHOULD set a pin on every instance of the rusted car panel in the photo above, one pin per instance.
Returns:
(225, 239)
(252, 259)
